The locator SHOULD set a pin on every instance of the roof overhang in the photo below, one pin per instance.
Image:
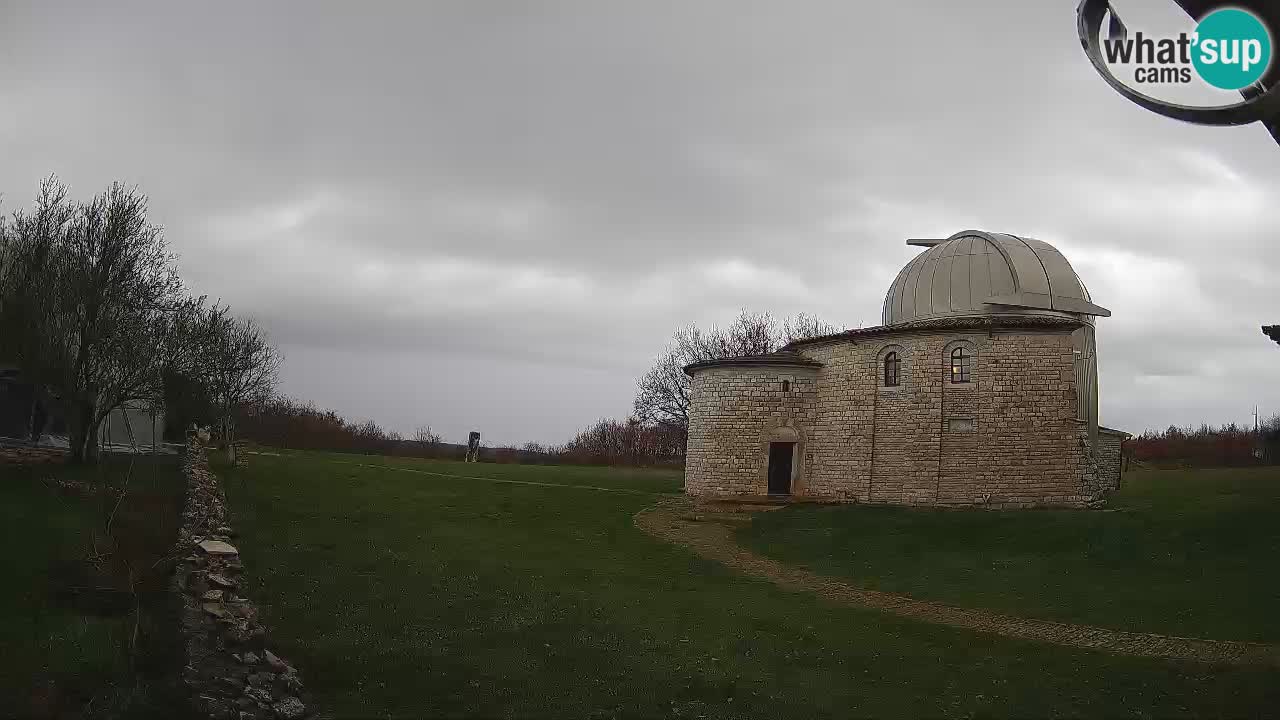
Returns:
(1041, 301)
(980, 323)
(780, 359)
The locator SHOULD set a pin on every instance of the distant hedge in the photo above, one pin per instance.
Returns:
(1208, 446)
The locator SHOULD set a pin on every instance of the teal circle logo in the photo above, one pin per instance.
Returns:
(1232, 49)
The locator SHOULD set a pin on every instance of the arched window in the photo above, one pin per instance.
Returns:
(892, 369)
(960, 363)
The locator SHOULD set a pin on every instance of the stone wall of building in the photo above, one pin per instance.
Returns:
(1008, 438)
(835, 463)
(737, 412)
(1109, 455)
(1100, 461)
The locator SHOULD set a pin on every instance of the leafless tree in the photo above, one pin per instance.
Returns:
(240, 367)
(626, 442)
(663, 396)
(86, 292)
(191, 333)
(425, 436)
(804, 326)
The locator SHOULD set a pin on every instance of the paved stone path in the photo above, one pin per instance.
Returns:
(708, 531)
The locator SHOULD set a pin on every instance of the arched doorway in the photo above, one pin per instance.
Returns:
(782, 460)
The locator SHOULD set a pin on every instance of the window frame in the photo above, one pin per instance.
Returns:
(892, 363)
(961, 366)
(904, 369)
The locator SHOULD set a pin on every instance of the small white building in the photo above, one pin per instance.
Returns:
(137, 422)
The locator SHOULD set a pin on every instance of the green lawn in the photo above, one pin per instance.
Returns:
(1182, 552)
(633, 480)
(67, 623)
(402, 594)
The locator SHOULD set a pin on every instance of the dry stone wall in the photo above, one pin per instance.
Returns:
(1008, 438)
(231, 673)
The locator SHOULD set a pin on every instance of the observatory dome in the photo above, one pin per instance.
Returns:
(984, 273)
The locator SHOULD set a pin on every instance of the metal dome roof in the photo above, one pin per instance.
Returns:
(982, 273)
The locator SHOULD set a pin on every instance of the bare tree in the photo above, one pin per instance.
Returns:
(86, 291)
(425, 436)
(191, 333)
(663, 396)
(627, 442)
(804, 326)
(241, 367)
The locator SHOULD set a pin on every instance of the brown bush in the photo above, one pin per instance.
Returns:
(1207, 446)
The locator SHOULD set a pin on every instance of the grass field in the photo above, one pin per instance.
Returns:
(68, 610)
(1180, 552)
(402, 592)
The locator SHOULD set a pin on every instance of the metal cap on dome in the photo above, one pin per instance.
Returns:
(982, 273)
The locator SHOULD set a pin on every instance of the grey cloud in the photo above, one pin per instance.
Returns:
(523, 200)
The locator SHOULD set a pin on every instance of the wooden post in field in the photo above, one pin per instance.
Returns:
(473, 446)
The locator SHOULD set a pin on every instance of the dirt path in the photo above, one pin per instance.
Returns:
(708, 531)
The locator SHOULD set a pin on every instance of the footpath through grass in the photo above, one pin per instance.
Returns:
(1180, 552)
(404, 595)
(86, 629)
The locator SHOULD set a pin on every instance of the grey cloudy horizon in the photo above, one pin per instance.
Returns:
(492, 215)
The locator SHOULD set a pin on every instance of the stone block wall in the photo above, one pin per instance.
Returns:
(1027, 423)
(1008, 438)
(739, 411)
(844, 413)
(1108, 454)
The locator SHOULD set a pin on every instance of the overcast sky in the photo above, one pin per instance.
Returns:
(491, 215)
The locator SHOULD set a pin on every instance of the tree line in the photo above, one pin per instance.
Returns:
(1230, 445)
(287, 423)
(94, 314)
(280, 421)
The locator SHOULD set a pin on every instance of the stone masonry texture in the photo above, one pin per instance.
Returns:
(231, 672)
(1011, 437)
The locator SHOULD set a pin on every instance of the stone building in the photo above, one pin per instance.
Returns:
(979, 388)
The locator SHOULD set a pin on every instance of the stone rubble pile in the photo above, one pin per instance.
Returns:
(230, 672)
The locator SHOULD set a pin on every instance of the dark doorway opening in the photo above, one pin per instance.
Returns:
(780, 468)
